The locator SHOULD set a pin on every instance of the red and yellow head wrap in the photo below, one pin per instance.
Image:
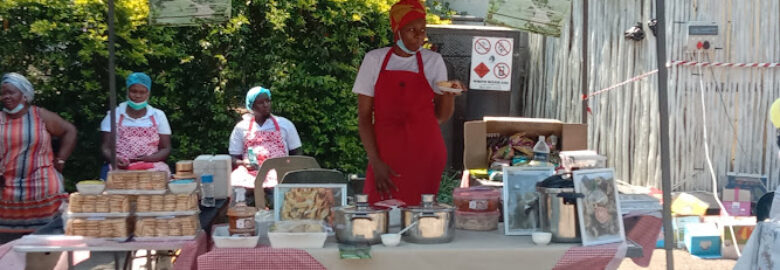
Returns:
(404, 12)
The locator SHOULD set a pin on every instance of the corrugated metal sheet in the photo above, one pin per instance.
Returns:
(624, 121)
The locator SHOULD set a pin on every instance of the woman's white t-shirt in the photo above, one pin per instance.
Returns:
(433, 65)
(145, 121)
(289, 134)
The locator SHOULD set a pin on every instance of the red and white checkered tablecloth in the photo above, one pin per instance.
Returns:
(188, 258)
(644, 233)
(258, 258)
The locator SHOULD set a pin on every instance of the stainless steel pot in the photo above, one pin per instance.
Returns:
(360, 223)
(435, 222)
(558, 214)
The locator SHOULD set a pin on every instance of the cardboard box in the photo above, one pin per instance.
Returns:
(736, 201)
(756, 184)
(475, 154)
(688, 205)
(703, 240)
(678, 224)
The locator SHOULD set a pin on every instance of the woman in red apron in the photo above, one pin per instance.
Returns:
(143, 135)
(399, 114)
(258, 137)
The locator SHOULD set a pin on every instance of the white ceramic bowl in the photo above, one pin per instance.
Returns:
(182, 187)
(541, 238)
(90, 188)
(391, 239)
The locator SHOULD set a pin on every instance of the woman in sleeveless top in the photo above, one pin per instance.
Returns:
(32, 188)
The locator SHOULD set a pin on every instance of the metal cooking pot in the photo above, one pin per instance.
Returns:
(435, 222)
(360, 223)
(558, 213)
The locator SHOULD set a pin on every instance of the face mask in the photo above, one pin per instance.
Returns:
(14, 110)
(136, 105)
(401, 45)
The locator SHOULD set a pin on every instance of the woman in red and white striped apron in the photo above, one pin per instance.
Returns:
(32, 188)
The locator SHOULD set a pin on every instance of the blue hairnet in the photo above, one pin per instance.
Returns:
(21, 83)
(139, 78)
(253, 93)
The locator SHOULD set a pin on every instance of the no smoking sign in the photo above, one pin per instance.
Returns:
(491, 63)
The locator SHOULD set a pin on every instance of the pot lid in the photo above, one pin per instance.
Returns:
(429, 205)
(361, 206)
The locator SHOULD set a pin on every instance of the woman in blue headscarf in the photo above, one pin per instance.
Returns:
(143, 135)
(260, 136)
(31, 188)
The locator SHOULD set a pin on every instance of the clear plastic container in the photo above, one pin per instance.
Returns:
(477, 221)
(241, 216)
(207, 191)
(476, 199)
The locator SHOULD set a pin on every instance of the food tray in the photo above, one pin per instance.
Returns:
(104, 203)
(297, 234)
(174, 213)
(165, 238)
(222, 239)
(135, 192)
(137, 180)
(167, 226)
(112, 228)
(166, 203)
(95, 215)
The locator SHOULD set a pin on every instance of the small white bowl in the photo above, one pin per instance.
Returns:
(182, 187)
(391, 239)
(90, 188)
(541, 238)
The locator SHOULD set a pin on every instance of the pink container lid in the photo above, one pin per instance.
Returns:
(476, 193)
(490, 214)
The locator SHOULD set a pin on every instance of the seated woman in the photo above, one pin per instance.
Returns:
(264, 136)
(32, 188)
(143, 136)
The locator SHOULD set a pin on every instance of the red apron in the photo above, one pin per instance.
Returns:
(134, 142)
(407, 134)
(265, 145)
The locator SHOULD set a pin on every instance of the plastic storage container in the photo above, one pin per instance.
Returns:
(297, 234)
(583, 159)
(220, 167)
(476, 199)
(222, 239)
(477, 221)
(207, 191)
(241, 216)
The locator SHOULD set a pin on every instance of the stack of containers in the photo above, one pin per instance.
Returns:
(220, 166)
(94, 213)
(159, 212)
(476, 208)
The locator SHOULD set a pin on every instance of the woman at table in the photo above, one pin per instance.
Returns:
(400, 108)
(32, 189)
(143, 135)
(258, 137)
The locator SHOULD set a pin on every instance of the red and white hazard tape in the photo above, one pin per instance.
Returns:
(687, 64)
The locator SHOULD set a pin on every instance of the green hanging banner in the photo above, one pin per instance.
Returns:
(544, 17)
(188, 12)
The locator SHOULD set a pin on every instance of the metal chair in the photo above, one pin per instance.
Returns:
(282, 165)
(314, 176)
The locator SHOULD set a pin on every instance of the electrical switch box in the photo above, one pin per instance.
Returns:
(704, 41)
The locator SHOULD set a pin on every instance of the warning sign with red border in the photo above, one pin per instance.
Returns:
(491, 63)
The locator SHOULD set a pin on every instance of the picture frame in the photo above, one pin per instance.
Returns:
(520, 199)
(308, 201)
(599, 209)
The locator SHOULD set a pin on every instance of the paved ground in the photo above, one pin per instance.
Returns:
(682, 260)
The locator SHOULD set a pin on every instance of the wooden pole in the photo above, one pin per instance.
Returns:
(663, 113)
(584, 65)
(112, 81)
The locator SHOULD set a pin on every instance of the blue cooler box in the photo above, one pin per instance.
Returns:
(702, 240)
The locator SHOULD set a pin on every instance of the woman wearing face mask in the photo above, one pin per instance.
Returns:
(31, 185)
(143, 136)
(258, 137)
(400, 108)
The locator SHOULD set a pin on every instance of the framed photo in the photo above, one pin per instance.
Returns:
(308, 201)
(521, 202)
(599, 208)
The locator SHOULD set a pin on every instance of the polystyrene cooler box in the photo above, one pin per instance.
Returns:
(220, 167)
